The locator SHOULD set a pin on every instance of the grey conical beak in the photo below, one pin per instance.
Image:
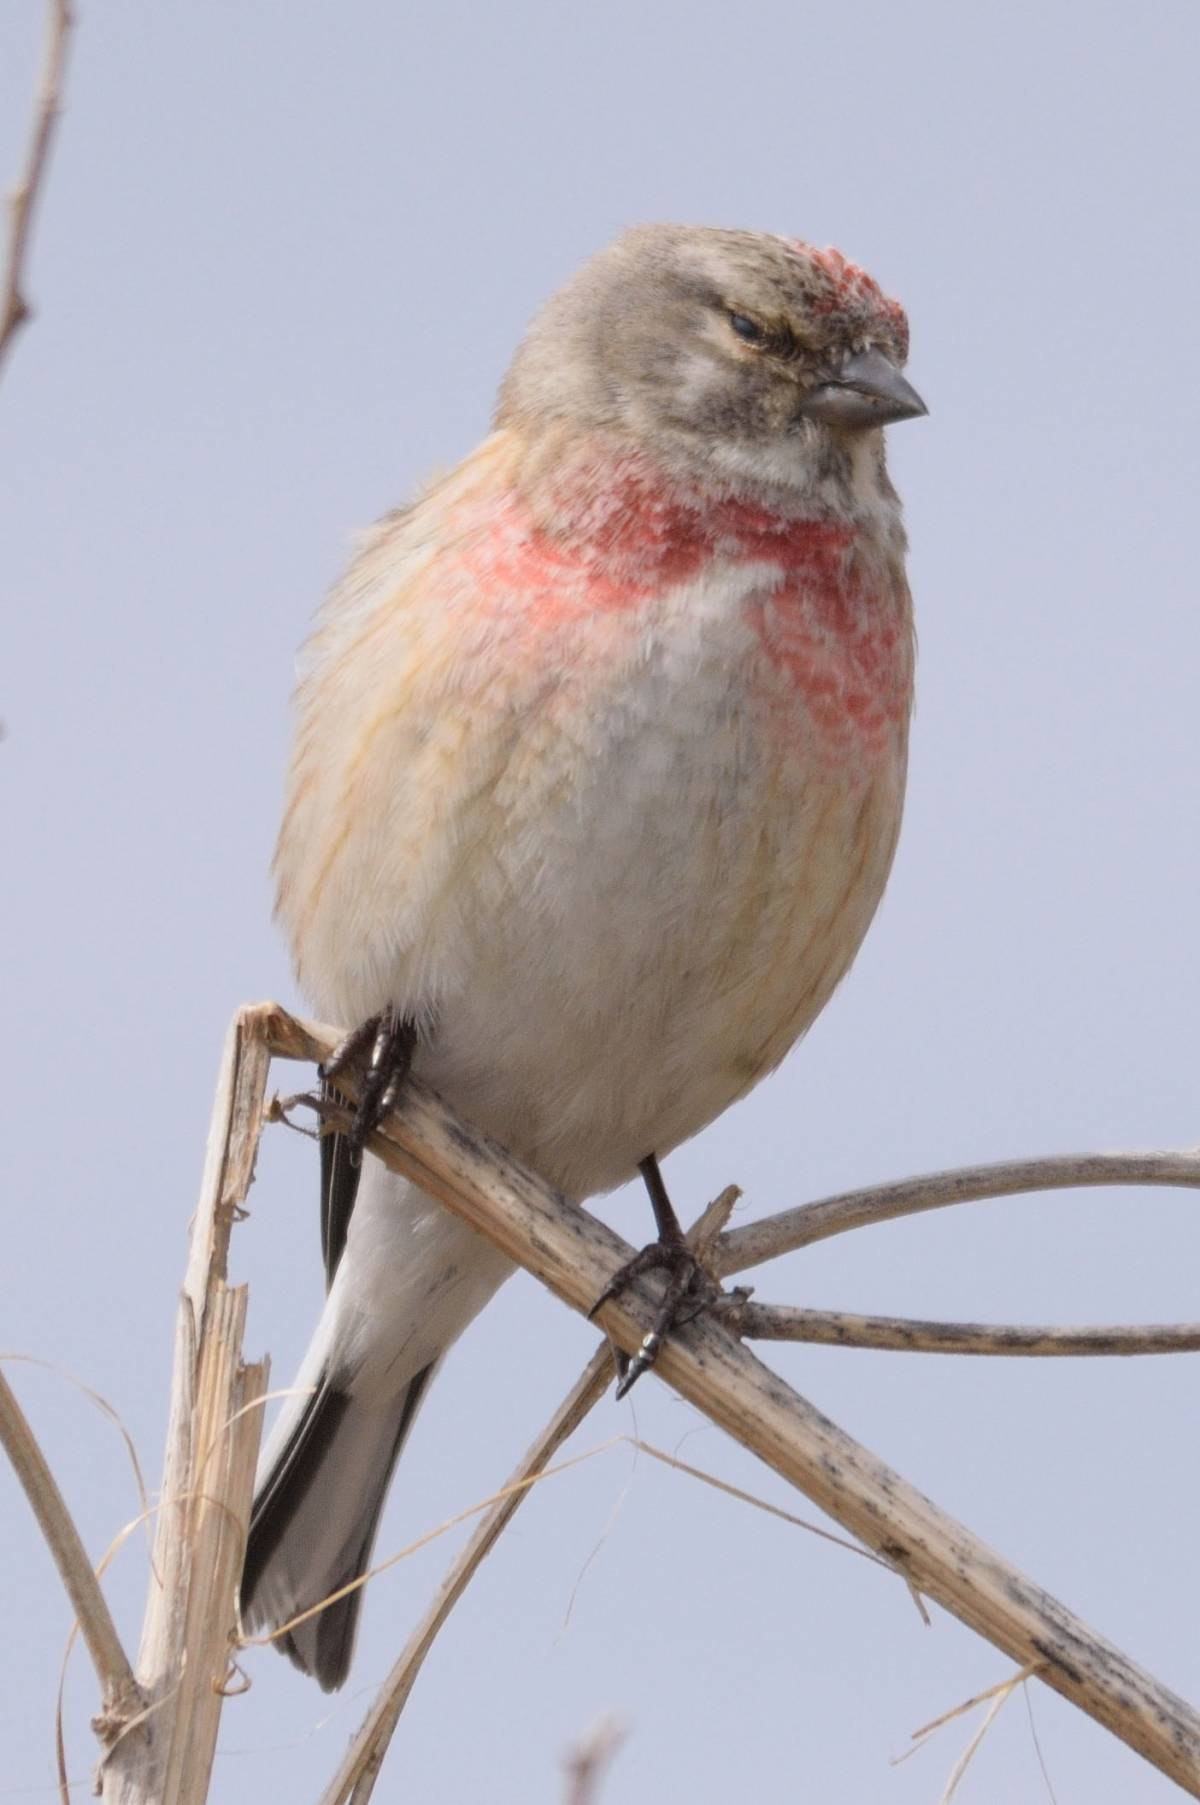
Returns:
(867, 391)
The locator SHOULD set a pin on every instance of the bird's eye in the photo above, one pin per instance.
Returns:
(747, 329)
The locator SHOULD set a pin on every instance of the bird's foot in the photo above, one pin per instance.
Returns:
(383, 1047)
(690, 1289)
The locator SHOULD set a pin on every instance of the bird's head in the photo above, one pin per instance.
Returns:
(737, 355)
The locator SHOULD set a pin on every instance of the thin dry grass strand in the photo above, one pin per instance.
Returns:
(995, 1697)
(574, 1254)
(1037, 1745)
(369, 1746)
(968, 1755)
(921, 1736)
(771, 1510)
(594, 1551)
(23, 197)
(366, 1752)
(506, 1492)
(106, 1410)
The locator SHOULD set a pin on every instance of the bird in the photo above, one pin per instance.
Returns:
(597, 777)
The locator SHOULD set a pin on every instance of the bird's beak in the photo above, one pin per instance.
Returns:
(867, 391)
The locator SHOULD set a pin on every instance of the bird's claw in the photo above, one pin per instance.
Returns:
(383, 1046)
(690, 1290)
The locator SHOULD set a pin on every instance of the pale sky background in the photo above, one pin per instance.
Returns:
(285, 252)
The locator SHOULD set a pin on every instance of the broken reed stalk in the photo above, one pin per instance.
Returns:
(190, 1631)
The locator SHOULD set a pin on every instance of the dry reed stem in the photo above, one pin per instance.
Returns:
(22, 199)
(225, 1437)
(574, 1255)
(190, 1626)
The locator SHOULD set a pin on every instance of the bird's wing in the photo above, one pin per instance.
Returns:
(402, 740)
(404, 792)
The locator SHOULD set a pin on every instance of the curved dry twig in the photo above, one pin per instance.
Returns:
(14, 308)
(809, 1222)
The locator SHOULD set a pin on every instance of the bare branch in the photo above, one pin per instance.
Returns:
(792, 1229)
(119, 1690)
(902, 1334)
(574, 1255)
(14, 308)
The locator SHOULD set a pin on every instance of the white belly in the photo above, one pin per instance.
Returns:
(676, 893)
(615, 873)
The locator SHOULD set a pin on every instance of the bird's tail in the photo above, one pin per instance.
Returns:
(316, 1513)
(409, 1279)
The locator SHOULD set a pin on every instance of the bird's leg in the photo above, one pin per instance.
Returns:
(690, 1288)
(387, 1040)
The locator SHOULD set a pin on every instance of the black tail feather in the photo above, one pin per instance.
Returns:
(278, 1499)
(322, 1647)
